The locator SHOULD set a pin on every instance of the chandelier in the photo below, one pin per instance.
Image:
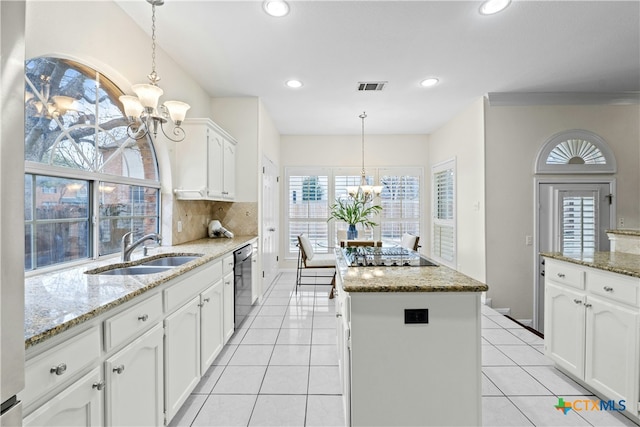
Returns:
(45, 105)
(364, 191)
(142, 111)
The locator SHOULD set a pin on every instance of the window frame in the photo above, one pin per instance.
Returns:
(94, 178)
(332, 173)
(450, 164)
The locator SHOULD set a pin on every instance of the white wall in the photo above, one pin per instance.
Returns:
(462, 138)
(514, 135)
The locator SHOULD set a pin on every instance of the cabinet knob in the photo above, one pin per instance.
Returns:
(577, 301)
(561, 275)
(201, 305)
(59, 370)
(143, 318)
(608, 289)
(338, 314)
(99, 385)
(587, 305)
(118, 369)
(207, 299)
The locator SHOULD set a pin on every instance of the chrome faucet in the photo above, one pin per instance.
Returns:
(128, 247)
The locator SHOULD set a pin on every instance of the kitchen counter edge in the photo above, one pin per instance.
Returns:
(43, 320)
(615, 262)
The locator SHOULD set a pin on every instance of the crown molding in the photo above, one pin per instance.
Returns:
(505, 99)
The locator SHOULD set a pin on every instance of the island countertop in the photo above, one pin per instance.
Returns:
(615, 262)
(58, 300)
(404, 279)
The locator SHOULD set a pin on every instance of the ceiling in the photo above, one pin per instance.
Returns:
(233, 48)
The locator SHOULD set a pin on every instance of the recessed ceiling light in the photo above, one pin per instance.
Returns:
(294, 84)
(431, 81)
(490, 7)
(276, 8)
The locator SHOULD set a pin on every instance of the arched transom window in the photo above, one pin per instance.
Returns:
(575, 151)
(86, 182)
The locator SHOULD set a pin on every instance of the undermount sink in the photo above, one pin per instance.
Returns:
(136, 269)
(152, 266)
(170, 261)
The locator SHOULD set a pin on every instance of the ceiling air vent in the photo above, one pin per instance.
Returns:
(369, 86)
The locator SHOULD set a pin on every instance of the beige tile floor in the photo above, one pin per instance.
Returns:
(280, 369)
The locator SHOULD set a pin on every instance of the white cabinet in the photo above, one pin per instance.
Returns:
(211, 321)
(591, 329)
(205, 162)
(182, 355)
(134, 380)
(80, 404)
(229, 314)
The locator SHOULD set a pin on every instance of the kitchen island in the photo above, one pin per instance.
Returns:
(409, 344)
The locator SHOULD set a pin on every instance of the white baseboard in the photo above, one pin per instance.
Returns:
(503, 311)
(526, 322)
(488, 301)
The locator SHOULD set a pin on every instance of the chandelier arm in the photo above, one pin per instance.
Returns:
(137, 130)
(177, 131)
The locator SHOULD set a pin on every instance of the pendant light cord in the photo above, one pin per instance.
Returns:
(153, 77)
(363, 177)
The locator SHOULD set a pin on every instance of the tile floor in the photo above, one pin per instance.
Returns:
(280, 369)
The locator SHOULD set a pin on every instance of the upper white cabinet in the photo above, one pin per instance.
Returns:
(205, 162)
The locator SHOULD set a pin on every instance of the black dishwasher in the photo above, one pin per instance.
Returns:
(242, 283)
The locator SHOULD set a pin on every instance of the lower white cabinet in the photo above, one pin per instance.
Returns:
(229, 314)
(211, 321)
(182, 355)
(134, 382)
(80, 404)
(594, 337)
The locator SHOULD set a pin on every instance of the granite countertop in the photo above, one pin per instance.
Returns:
(405, 279)
(58, 300)
(616, 262)
(623, 232)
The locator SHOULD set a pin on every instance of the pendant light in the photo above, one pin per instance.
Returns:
(368, 192)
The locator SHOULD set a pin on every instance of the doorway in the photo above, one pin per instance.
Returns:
(269, 221)
(572, 217)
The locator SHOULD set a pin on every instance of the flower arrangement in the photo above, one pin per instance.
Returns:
(354, 210)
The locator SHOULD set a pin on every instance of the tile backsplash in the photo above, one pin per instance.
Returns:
(241, 218)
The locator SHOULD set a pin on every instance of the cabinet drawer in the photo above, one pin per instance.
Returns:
(564, 273)
(131, 322)
(614, 286)
(61, 363)
(227, 264)
(192, 285)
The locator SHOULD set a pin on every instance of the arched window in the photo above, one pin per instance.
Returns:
(575, 152)
(86, 182)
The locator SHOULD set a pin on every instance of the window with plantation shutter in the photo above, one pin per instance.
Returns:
(579, 223)
(312, 191)
(400, 201)
(444, 213)
(308, 202)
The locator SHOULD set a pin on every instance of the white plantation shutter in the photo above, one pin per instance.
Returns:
(579, 223)
(444, 213)
(308, 202)
(400, 201)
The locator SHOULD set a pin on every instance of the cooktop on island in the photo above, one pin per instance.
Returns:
(369, 256)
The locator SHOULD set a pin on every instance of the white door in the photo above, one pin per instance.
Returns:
(572, 218)
(270, 205)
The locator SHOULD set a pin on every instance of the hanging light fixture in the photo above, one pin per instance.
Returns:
(368, 192)
(142, 110)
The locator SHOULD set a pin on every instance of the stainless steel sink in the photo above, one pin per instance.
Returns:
(170, 261)
(136, 269)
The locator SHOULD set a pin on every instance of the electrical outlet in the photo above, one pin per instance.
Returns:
(528, 240)
(620, 222)
(179, 226)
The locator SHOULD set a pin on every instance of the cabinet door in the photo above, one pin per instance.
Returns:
(211, 321)
(612, 351)
(215, 153)
(135, 382)
(229, 170)
(80, 404)
(564, 328)
(229, 309)
(182, 355)
(191, 161)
